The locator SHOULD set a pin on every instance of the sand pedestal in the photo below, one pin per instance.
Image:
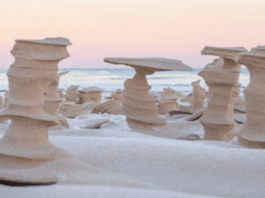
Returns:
(112, 106)
(72, 94)
(25, 145)
(253, 133)
(117, 95)
(167, 102)
(75, 111)
(137, 105)
(217, 119)
(90, 94)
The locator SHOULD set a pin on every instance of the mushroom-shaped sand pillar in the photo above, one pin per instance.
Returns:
(25, 145)
(253, 133)
(137, 105)
(222, 79)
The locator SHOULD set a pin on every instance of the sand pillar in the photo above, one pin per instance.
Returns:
(218, 116)
(90, 94)
(29, 77)
(52, 101)
(137, 104)
(167, 102)
(72, 94)
(253, 133)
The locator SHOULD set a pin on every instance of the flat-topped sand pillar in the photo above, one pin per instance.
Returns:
(221, 79)
(253, 133)
(25, 144)
(137, 105)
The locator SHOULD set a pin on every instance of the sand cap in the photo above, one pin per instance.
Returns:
(160, 64)
(224, 52)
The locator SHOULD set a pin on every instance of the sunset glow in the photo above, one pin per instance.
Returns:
(176, 29)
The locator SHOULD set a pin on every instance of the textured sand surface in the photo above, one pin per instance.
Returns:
(126, 163)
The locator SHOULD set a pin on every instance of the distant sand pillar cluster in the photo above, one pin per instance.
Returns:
(137, 104)
(25, 144)
(218, 118)
(253, 133)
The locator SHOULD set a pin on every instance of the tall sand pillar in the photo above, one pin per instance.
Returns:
(222, 79)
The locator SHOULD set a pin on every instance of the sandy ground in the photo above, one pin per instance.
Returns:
(117, 161)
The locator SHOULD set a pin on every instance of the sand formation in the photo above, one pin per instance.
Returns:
(239, 106)
(72, 94)
(186, 98)
(53, 100)
(60, 92)
(6, 98)
(218, 116)
(198, 96)
(137, 105)
(25, 146)
(74, 111)
(117, 95)
(1, 102)
(27, 156)
(253, 134)
(167, 101)
(65, 106)
(217, 63)
(90, 94)
(112, 106)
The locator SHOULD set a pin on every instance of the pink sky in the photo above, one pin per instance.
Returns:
(177, 29)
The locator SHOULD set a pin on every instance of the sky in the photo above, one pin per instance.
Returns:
(177, 29)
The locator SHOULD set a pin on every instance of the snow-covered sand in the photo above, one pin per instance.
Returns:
(116, 161)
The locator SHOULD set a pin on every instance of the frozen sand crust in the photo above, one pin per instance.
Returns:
(212, 168)
(60, 191)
